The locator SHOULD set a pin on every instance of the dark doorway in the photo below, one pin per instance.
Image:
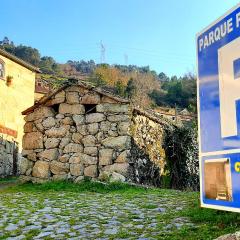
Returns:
(15, 159)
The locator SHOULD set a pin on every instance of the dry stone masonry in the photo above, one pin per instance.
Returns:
(148, 159)
(163, 153)
(8, 156)
(78, 131)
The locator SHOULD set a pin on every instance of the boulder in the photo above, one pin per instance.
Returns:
(58, 98)
(28, 127)
(73, 148)
(64, 142)
(60, 94)
(100, 136)
(123, 128)
(24, 179)
(40, 113)
(112, 108)
(28, 172)
(79, 119)
(82, 129)
(48, 122)
(33, 140)
(231, 236)
(104, 176)
(72, 97)
(75, 158)
(41, 169)
(91, 171)
(77, 137)
(79, 179)
(93, 151)
(24, 151)
(105, 157)
(54, 101)
(83, 158)
(117, 177)
(52, 143)
(59, 168)
(105, 126)
(59, 116)
(92, 128)
(112, 133)
(49, 154)
(106, 99)
(25, 164)
(89, 141)
(114, 126)
(71, 108)
(121, 168)
(118, 118)
(123, 157)
(58, 132)
(61, 177)
(64, 158)
(90, 98)
(95, 117)
(39, 126)
(32, 156)
(120, 142)
(76, 169)
(67, 121)
(72, 129)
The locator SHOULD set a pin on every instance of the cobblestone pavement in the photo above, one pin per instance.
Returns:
(67, 215)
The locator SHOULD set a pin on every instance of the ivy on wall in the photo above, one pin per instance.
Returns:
(181, 148)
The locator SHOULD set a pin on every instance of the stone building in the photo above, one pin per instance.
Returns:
(17, 86)
(42, 88)
(82, 131)
(76, 131)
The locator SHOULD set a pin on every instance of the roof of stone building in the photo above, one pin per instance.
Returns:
(152, 115)
(19, 61)
(42, 86)
(75, 82)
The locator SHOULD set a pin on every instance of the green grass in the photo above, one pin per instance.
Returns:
(8, 179)
(208, 223)
(86, 186)
(212, 222)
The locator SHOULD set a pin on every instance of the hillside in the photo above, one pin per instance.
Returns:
(142, 85)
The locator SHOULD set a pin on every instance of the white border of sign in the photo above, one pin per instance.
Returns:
(217, 207)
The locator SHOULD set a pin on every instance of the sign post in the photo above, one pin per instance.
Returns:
(218, 60)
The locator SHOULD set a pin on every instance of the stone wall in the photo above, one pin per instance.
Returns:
(147, 152)
(163, 153)
(7, 154)
(80, 132)
(76, 133)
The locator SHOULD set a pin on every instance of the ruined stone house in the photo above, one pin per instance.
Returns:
(77, 131)
(82, 131)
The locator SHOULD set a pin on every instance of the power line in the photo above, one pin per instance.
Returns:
(126, 59)
(102, 52)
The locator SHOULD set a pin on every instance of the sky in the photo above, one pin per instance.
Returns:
(157, 33)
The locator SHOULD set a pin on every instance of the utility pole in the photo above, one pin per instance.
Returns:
(102, 52)
(126, 59)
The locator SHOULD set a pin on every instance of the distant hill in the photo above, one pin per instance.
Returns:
(142, 85)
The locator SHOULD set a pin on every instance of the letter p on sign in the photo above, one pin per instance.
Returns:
(229, 86)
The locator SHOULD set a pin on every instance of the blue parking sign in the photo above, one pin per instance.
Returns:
(218, 60)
